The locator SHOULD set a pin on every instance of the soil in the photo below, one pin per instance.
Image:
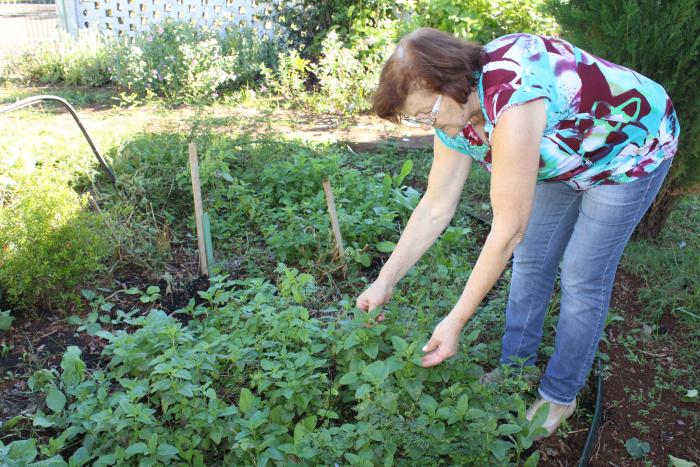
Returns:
(669, 425)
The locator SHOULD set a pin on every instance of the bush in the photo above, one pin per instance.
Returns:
(345, 75)
(289, 79)
(483, 20)
(345, 78)
(83, 61)
(49, 244)
(175, 60)
(251, 54)
(660, 40)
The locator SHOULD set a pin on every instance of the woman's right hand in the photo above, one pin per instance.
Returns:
(375, 295)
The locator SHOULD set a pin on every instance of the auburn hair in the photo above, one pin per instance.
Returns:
(429, 59)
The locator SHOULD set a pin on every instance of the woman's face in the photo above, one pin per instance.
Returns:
(450, 117)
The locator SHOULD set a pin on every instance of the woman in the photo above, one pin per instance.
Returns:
(577, 148)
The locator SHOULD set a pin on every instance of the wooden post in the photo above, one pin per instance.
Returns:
(330, 201)
(196, 192)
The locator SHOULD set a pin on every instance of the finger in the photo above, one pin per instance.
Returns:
(431, 345)
(380, 318)
(362, 304)
(433, 358)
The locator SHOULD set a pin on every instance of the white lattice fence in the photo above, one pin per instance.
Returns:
(132, 17)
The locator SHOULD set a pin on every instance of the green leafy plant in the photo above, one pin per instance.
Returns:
(175, 60)
(257, 379)
(74, 61)
(636, 448)
(49, 244)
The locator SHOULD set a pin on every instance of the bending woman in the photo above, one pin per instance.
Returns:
(577, 147)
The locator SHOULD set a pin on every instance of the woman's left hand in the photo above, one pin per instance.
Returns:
(444, 342)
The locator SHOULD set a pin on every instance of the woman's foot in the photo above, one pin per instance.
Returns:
(557, 414)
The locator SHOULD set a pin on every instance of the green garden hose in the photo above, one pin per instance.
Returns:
(33, 100)
(595, 425)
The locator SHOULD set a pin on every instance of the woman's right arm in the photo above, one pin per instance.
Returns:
(434, 212)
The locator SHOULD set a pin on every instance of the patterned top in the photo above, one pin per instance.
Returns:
(605, 123)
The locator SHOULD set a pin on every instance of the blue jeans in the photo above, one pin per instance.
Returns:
(584, 233)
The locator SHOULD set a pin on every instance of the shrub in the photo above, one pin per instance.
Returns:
(347, 76)
(49, 244)
(251, 54)
(83, 61)
(289, 79)
(661, 42)
(175, 60)
(483, 20)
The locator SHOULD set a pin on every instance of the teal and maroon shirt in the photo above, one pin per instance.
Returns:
(605, 123)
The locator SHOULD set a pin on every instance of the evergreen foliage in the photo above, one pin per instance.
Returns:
(660, 40)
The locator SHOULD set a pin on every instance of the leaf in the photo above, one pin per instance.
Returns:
(400, 344)
(5, 320)
(508, 429)
(540, 416)
(637, 448)
(437, 431)
(106, 335)
(533, 460)
(23, 451)
(309, 422)
(463, 403)
(375, 372)
(498, 448)
(137, 448)
(363, 391)
(153, 290)
(371, 349)
(73, 367)
(386, 182)
(55, 399)
(167, 450)
(246, 400)
(364, 260)
(55, 461)
(348, 378)
(393, 364)
(74, 320)
(228, 411)
(444, 412)
(690, 396)
(405, 170)
(676, 462)
(42, 421)
(88, 294)
(385, 246)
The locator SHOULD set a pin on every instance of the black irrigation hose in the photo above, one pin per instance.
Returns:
(33, 100)
(595, 425)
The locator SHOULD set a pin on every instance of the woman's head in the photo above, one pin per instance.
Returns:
(426, 62)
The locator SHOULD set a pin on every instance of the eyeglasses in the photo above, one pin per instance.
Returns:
(430, 121)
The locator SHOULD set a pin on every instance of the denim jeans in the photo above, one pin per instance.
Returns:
(582, 234)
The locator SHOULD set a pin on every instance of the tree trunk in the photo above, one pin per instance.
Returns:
(653, 221)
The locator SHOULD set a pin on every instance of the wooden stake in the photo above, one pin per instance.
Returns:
(197, 193)
(334, 217)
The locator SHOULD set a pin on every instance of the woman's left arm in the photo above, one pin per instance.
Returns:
(515, 163)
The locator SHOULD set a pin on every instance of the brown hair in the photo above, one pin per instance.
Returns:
(430, 59)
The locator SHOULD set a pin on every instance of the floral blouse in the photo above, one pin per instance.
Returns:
(605, 123)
